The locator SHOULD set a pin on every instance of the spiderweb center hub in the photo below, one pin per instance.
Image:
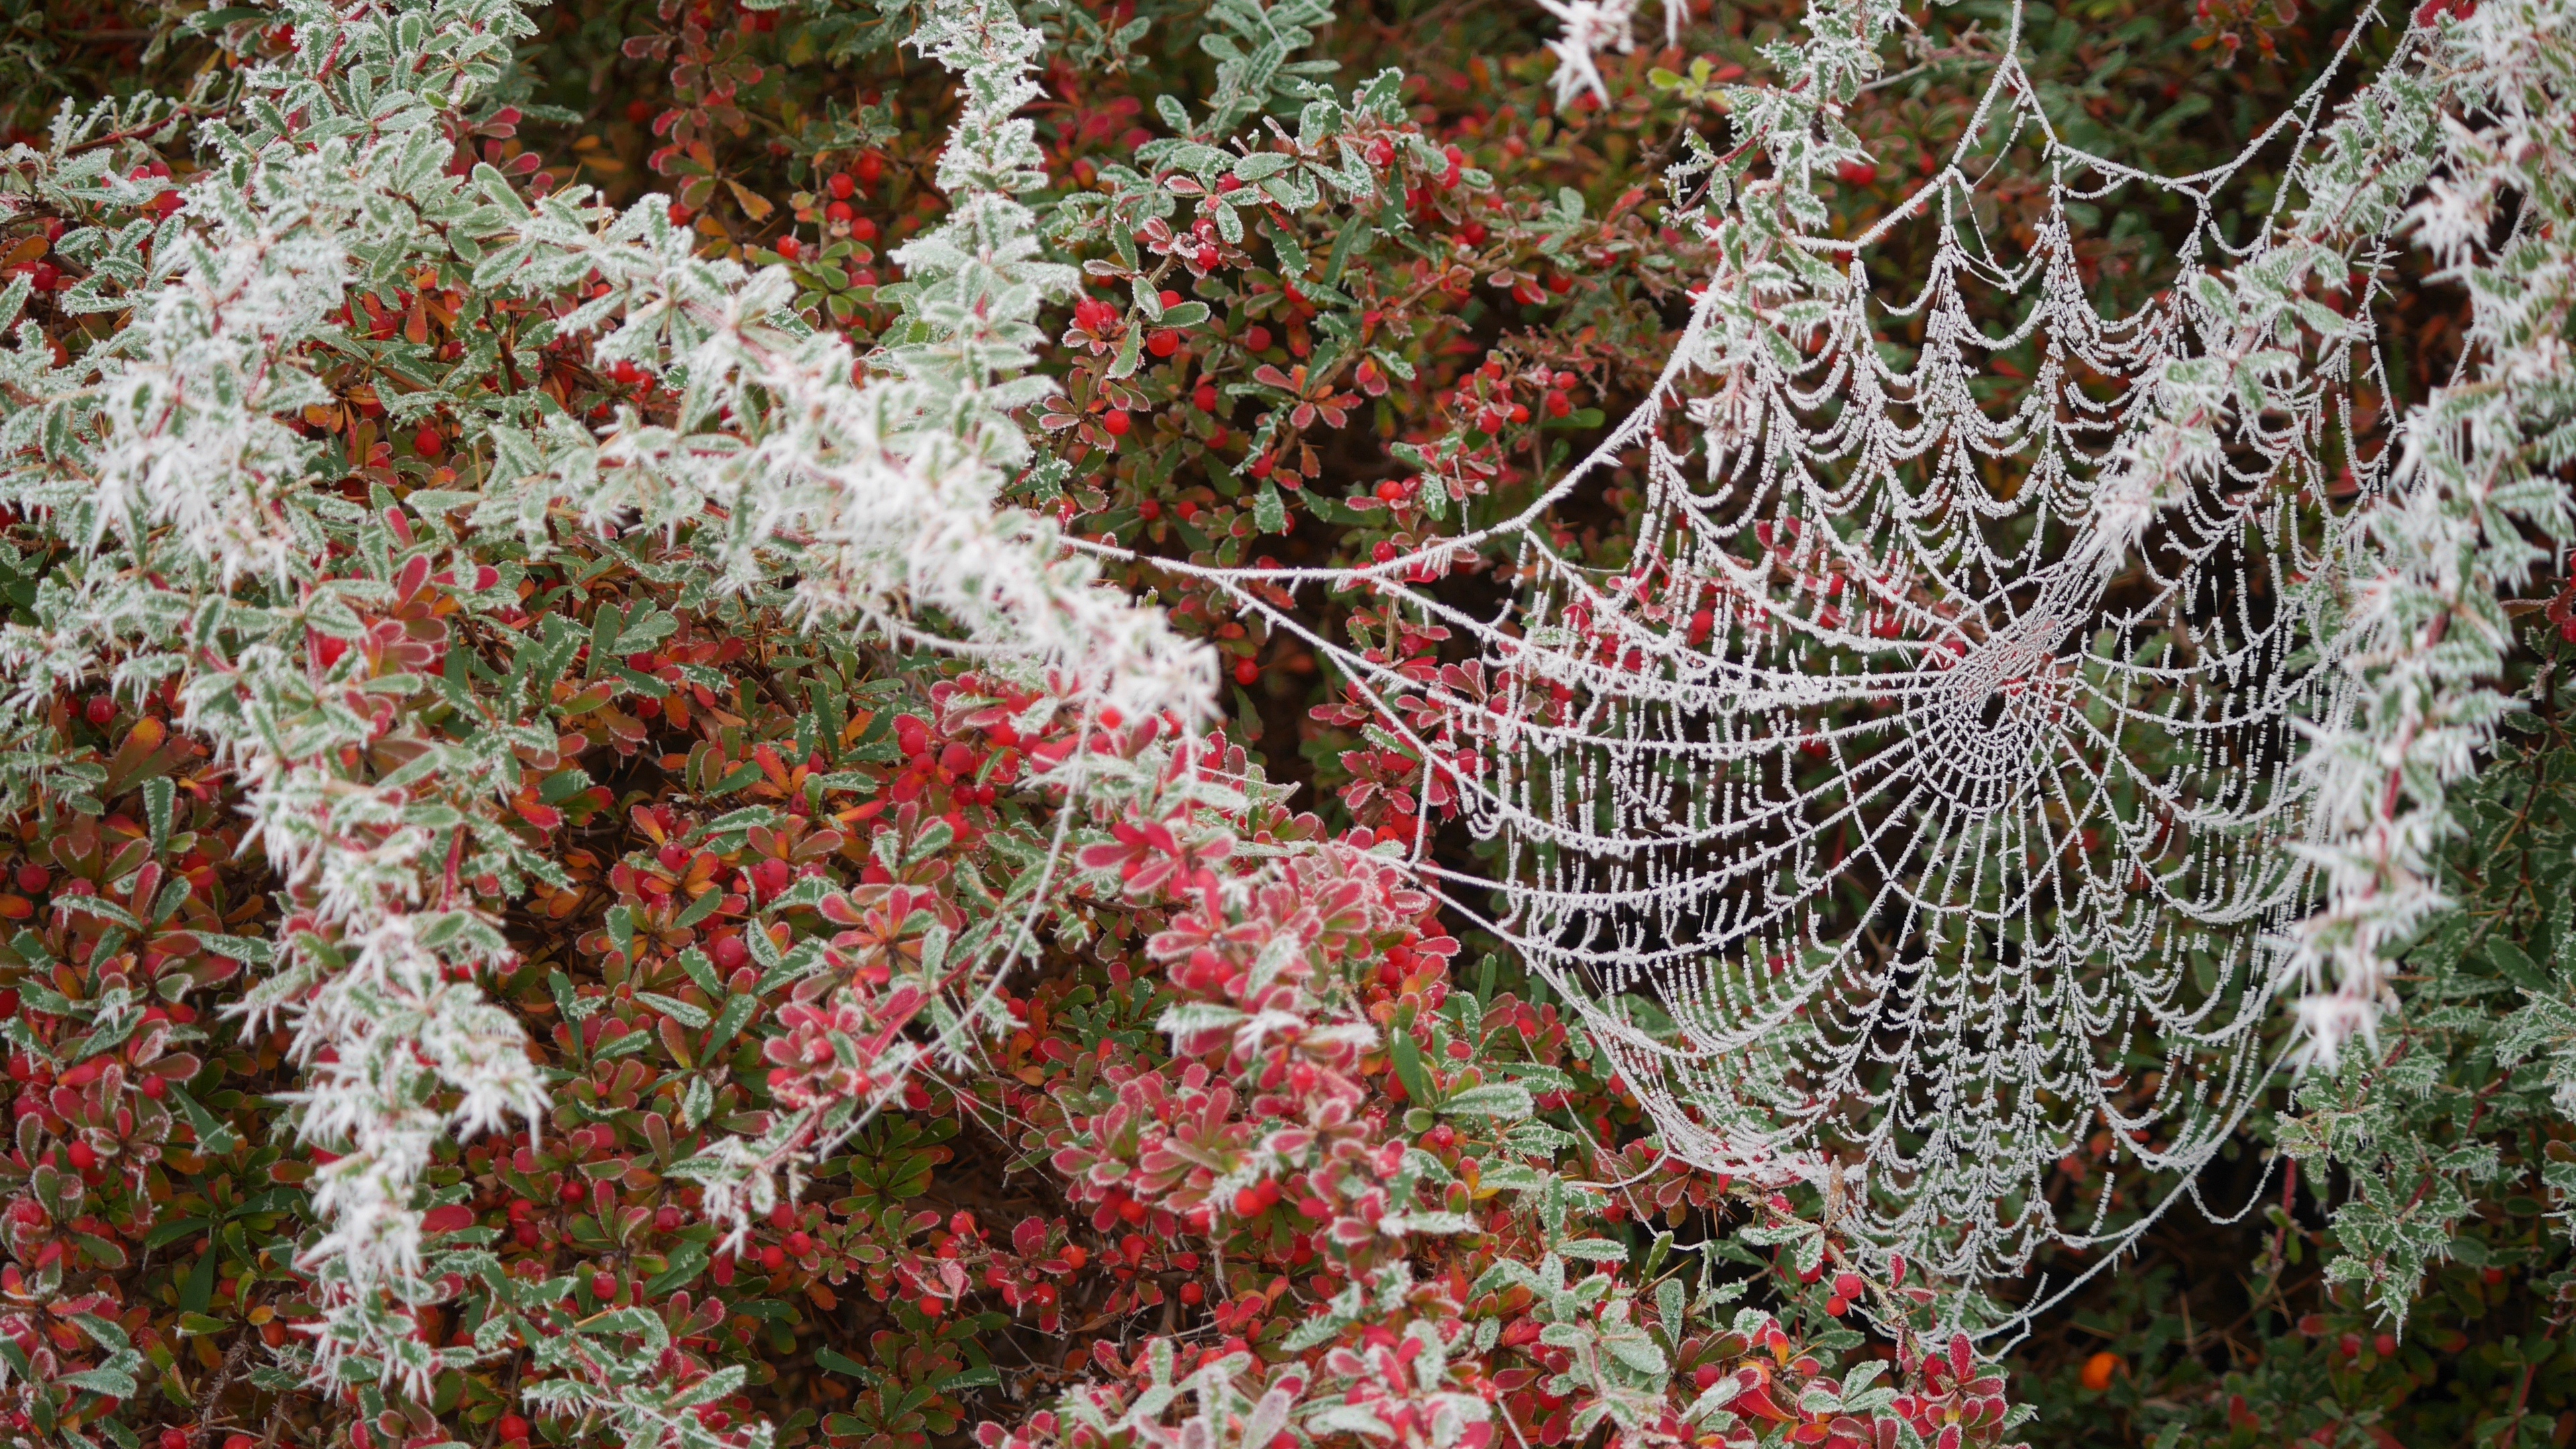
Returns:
(1984, 710)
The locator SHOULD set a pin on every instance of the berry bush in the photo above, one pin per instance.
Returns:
(590, 862)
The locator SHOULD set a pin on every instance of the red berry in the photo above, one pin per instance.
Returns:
(731, 953)
(1857, 173)
(871, 169)
(575, 1193)
(428, 443)
(2385, 1345)
(666, 1219)
(240, 1441)
(603, 1286)
(1247, 1202)
(1204, 398)
(800, 1243)
(1257, 338)
(673, 856)
(511, 1425)
(1192, 1294)
(639, 112)
(840, 211)
(83, 1157)
(155, 1088)
(841, 186)
(1847, 1285)
(1391, 491)
(773, 1257)
(1837, 1307)
(1163, 343)
(1116, 422)
(33, 878)
(100, 710)
(1247, 672)
(864, 228)
(527, 1235)
(1558, 405)
(788, 247)
(174, 1437)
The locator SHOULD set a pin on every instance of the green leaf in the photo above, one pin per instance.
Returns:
(825, 1358)
(1492, 1099)
(1409, 1070)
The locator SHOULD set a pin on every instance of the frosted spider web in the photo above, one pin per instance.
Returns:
(1917, 801)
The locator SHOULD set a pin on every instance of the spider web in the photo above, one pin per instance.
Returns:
(1917, 800)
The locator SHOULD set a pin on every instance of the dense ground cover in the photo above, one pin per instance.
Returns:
(1253, 1143)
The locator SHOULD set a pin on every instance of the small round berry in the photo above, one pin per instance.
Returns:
(1204, 398)
(773, 1257)
(427, 443)
(1257, 338)
(33, 878)
(100, 710)
(1192, 1294)
(841, 186)
(512, 1427)
(1116, 422)
(2099, 1370)
(1247, 672)
(731, 954)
